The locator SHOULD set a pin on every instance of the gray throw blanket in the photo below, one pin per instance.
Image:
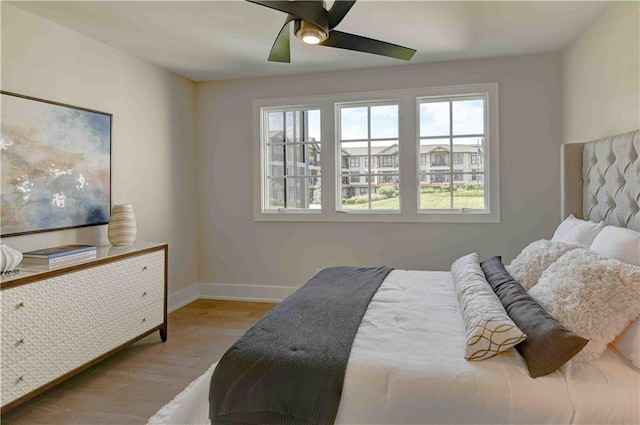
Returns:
(289, 367)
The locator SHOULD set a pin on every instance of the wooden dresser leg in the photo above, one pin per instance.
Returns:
(163, 333)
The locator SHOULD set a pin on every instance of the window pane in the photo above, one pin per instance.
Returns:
(468, 117)
(290, 155)
(432, 153)
(313, 126)
(277, 170)
(387, 192)
(471, 193)
(385, 157)
(288, 118)
(276, 193)
(312, 157)
(303, 193)
(354, 123)
(435, 191)
(434, 119)
(276, 160)
(472, 151)
(275, 126)
(384, 122)
(314, 192)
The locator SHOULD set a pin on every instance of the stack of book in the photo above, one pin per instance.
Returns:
(60, 255)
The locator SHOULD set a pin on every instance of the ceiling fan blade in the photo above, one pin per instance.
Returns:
(343, 40)
(307, 10)
(338, 11)
(280, 51)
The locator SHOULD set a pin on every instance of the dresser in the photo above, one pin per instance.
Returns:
(58, 322)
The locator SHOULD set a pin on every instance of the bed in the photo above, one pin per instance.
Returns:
(407, 363)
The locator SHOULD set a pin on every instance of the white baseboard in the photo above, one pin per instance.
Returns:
(226, 291)
(240, 292)
(182, 297)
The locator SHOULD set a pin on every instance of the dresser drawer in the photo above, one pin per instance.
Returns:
(31, 372)
(65, 307)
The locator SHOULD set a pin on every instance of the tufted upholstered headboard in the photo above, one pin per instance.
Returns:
(601, 180)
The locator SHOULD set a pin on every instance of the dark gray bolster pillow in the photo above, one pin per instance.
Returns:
(548, 345)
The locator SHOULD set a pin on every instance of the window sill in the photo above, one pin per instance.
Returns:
(378, 217)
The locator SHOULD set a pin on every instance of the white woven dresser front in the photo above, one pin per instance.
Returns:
(56, 323)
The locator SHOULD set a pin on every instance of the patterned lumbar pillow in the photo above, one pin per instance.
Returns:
(591, 294)
(490, 331)
(534, 259)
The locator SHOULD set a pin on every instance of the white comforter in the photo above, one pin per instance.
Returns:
(407, 366)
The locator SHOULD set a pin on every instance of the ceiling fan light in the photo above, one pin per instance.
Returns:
(309, 33)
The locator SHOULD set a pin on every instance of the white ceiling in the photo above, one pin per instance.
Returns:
(213, 40)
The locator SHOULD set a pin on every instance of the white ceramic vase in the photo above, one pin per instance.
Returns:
(122, 225)
(9, 258)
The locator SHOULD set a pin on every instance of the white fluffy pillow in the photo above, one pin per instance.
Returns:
(490, 330)
(577, 231)
(593, 295)
(534, 259)
(619, 243)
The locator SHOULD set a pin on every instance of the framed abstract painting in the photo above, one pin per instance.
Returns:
(55, 166)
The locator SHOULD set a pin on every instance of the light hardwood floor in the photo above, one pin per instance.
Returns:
(131, 386)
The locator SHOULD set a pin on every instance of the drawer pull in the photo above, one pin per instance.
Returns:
(20, 341)
(144, 319)
(20, 379)
(144, 294)
(144, 268)
(20, 304)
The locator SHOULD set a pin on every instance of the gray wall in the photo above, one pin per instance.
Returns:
(153, 138)
(234, 249)
(601, 76)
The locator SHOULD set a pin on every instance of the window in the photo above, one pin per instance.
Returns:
(453, 124)
(371, 129)
(293, 158)
(446, 135)
(386, 161)
(439, 159)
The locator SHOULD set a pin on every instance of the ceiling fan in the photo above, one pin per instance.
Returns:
(314, 24)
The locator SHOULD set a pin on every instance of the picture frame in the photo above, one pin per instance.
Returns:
(55, 166)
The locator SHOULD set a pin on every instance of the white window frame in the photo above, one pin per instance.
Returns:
(371, 159)
(409, 157)
(451, 173)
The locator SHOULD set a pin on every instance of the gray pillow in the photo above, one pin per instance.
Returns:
(548, 345)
